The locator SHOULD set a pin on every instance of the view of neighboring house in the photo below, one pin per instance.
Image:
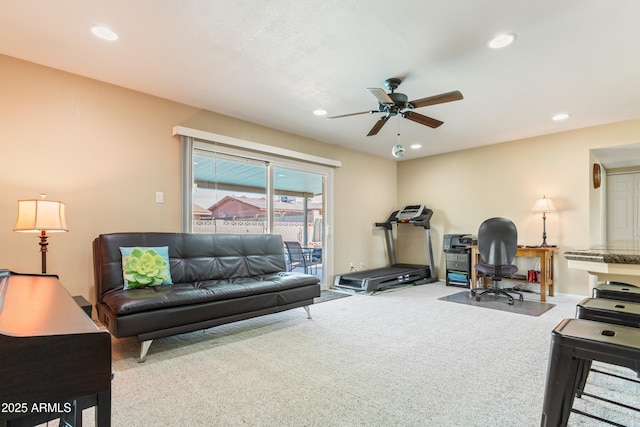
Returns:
(285, 208)
(200, 213)
(240, 214)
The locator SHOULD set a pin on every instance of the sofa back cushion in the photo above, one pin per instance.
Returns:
(192, 257)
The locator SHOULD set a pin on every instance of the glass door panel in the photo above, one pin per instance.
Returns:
(229, 194)
(298, 215)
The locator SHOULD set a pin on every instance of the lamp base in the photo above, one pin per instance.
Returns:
(43, 250)
(545, 245)
(544, 231)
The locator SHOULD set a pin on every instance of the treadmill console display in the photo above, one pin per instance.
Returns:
(408, 213)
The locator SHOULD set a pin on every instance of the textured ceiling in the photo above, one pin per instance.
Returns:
(274, 62)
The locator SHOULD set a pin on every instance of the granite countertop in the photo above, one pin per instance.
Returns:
(626, 252)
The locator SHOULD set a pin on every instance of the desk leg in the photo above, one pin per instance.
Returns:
(549, 263)
(474, 272)
(546, 275)
(543, 277)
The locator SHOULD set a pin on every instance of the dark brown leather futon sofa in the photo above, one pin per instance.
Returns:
(216, 279)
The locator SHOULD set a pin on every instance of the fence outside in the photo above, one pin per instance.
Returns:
(290, 231)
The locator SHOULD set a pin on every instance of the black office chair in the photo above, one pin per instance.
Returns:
(497, 244)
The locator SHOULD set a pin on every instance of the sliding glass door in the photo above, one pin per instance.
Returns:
(233, 193)
(298, 211)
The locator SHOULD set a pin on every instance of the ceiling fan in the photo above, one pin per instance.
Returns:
(395, 103)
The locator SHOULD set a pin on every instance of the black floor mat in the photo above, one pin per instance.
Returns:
(530, 308)
(328, 296)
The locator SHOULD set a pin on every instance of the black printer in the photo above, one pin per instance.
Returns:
(458, 242)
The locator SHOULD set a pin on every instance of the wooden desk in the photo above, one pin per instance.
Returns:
(546, 267)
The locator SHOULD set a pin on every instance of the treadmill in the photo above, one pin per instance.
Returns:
(396, 274)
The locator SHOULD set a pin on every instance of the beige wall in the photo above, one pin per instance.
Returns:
(105, 151)
(466, 187)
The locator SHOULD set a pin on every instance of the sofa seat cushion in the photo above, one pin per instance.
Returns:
(123, 302)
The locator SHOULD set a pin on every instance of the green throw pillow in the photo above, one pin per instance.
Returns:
(143, 267)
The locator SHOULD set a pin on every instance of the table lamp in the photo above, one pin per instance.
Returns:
(544, 205)
(41, 216)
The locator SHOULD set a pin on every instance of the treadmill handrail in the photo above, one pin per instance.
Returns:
(388, 223)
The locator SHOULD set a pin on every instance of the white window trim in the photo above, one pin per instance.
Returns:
(254, 146)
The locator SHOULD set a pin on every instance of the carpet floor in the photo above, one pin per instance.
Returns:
(404, 358)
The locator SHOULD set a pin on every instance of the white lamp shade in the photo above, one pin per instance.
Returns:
(543, 205)
(38, 215)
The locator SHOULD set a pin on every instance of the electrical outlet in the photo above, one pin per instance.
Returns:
(159, 197)
(351, 266)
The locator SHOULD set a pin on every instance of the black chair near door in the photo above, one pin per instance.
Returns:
(300, 257)
(497, 245)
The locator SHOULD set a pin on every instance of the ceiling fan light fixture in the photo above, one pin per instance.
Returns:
(319, 112)
(560, 117)
(502, 40)
(397, 151)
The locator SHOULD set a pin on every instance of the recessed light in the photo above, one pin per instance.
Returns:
(560, 116)
(104, 33)
(502, 40)
(416, 146)
(320, 112)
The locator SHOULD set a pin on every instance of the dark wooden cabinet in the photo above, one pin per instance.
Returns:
(54, 360)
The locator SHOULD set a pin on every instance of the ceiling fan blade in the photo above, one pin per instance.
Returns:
(352, 114)
(423, 120)
(437, 99)
(380, 95)
(376, 128)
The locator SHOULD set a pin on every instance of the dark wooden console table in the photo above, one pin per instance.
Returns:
(54, 361)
